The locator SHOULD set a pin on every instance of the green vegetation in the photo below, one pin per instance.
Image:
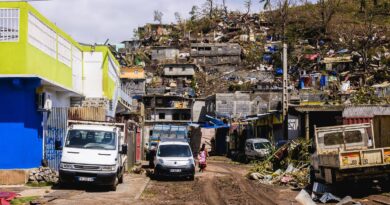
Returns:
(23, 200)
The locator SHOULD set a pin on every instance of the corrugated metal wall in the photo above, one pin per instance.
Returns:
(356, 120)
(382, 131)
(54, 129)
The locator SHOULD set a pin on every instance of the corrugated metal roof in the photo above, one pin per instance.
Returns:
(318, 108)
(365, 111)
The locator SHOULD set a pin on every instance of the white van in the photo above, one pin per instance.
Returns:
(174, 159)
(93, 153)
(257, 148)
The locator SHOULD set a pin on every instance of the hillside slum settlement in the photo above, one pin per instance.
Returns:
(301, 110)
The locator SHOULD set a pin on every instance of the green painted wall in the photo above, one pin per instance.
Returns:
(13, 54)
(23, 58)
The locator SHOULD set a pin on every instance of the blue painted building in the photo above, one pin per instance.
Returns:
(20, 124)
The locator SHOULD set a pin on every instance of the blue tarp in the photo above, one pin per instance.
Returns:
(279, 71)
(213, 123)
(267, 58)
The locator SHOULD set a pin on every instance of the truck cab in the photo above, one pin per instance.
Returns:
(94, 153)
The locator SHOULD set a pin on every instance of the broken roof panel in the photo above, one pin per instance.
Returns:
(365, 111)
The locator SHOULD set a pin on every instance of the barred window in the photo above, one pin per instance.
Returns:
(9, 25)
(41, 36)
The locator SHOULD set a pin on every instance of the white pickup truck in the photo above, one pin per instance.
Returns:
(349, 152)
(93, 152)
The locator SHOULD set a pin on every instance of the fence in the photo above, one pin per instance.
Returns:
(54, 130)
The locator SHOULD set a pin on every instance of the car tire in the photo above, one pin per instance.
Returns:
(120, 179)
(113, 187)
(192, 178)
(151, 164)
(247, 160)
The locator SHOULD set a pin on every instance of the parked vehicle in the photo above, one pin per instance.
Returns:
(174, 159)
(348, 152)
(163, 131)
(257, 148)
(93, 152)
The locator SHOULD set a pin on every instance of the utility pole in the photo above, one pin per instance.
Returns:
(285, 91)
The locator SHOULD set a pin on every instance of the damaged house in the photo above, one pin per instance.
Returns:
(176, 80)
(165, 54)
(133, 80)
(214, 54)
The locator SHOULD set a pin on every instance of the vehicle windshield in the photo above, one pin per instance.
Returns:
(262, 145)
(174, 151)
(89, 139)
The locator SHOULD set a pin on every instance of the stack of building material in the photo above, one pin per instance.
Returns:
(87, 113)
(96, 102)
(43, 175)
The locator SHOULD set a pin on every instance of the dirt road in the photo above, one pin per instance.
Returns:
(222, 184)
(126, 193)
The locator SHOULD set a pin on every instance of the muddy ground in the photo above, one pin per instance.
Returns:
(224, 183)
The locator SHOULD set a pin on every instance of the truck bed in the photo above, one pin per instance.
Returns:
(356, 158)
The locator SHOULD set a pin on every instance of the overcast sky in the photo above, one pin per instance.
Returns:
(94, 21)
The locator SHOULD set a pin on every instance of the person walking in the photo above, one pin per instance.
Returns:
(202, 157)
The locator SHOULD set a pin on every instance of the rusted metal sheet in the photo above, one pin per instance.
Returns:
(87, 113)
(356, 120)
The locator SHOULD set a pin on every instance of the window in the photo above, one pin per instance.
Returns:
(353, 136)
(161, 116)
(170, 68)
(174, 151)
(183, 68)
(335, 138)
(262, 145)
(136, 72)
(91, 139)
(9, 25)
(176, 116)
(41, 36)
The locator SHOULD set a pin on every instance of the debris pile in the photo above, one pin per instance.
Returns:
(288, 165)
(138, 170)
(322, 193)
(43, 175)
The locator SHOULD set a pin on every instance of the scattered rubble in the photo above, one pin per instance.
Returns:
(288, 165)
(42, 175)
(138, 170)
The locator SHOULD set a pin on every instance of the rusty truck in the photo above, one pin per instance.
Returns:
(350, 153)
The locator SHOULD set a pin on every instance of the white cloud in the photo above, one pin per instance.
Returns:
(92, 21)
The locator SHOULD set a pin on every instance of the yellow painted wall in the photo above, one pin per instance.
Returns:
(21, 58)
